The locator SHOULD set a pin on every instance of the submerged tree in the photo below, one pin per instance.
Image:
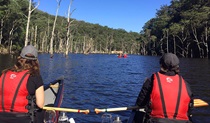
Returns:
(30, 10)
(68, 35)
(53, 30)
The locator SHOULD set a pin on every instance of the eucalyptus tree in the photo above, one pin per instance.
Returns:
(180, 35)
(30, 10)
(3, 15)
(196, 15)
(68, 35)
(158, 27)
(12, 22)
(42, 21)
(53, 30)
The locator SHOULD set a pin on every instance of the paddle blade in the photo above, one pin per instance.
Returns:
(200, 103)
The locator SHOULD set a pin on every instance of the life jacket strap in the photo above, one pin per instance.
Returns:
(2, 93)
(162, 96)
(178, 98)
(16, 92)
(31, 107)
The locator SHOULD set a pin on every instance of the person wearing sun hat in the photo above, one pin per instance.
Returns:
(166, 96)
(22, 90)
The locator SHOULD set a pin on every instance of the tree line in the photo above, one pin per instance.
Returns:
(181, 27)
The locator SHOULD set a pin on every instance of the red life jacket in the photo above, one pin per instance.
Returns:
(13, 92)
(169, 97)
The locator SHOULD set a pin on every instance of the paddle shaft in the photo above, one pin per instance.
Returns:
(115, 109)
(197, 103)
(67, 110)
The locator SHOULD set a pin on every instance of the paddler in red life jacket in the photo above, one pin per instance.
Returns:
(166, 96)
(120, 55)
(125, 55)
(22, 90)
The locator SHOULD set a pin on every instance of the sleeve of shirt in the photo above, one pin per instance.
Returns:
(191, 105)
(34, 82)
(144, 95)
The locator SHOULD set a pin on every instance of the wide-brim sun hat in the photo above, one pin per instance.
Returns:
(29, 52)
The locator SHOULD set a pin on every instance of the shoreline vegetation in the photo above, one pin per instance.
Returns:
(181, 28)
(5, 51)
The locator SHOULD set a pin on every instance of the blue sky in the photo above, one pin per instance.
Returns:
(130, 15)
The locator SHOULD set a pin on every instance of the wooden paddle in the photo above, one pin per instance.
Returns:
(197, 103)
(200, 103)
(67, 110)
(115, 109)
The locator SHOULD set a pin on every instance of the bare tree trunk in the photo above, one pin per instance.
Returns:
(84, 44)
(11, 33)
(76, 47)
(167, 40)
(11, 37)
(31, 36)
(35, 37)
(110, 43)
(68, 35)
(43, 42)
(205, 42)
(174, 38)
(107, 42)
(60, 47)
(196, 39)
(52, 35)
(28, 21)
(71, 44)
(88, 46)
(161, 45)
(183, 45)
(1, 30)
(10, 47)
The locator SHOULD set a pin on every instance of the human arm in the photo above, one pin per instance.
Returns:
(36, 87)
(144, 95)
(40, 96)
(191, 104)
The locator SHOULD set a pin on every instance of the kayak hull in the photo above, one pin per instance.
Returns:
(53, 97)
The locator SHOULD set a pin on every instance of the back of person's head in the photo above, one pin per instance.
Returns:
(29, 52)
(28, 60)
(169, 62)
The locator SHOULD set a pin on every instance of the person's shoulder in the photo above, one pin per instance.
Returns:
(35, 78)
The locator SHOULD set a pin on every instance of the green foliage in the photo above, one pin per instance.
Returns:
(16, 17)
(181, 27)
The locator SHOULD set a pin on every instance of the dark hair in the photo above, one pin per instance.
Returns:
(25, 64)
(174, 69)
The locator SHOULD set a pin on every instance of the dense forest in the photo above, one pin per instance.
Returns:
(182, 27)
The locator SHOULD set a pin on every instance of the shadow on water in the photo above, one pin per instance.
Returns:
(105, 81)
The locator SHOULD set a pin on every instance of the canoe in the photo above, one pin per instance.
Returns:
(53, 97)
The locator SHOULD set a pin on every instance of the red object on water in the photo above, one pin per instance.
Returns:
(119, 56)
(122, 56)
(125, 55)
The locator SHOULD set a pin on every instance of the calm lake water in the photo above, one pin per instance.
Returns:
(105, 81)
